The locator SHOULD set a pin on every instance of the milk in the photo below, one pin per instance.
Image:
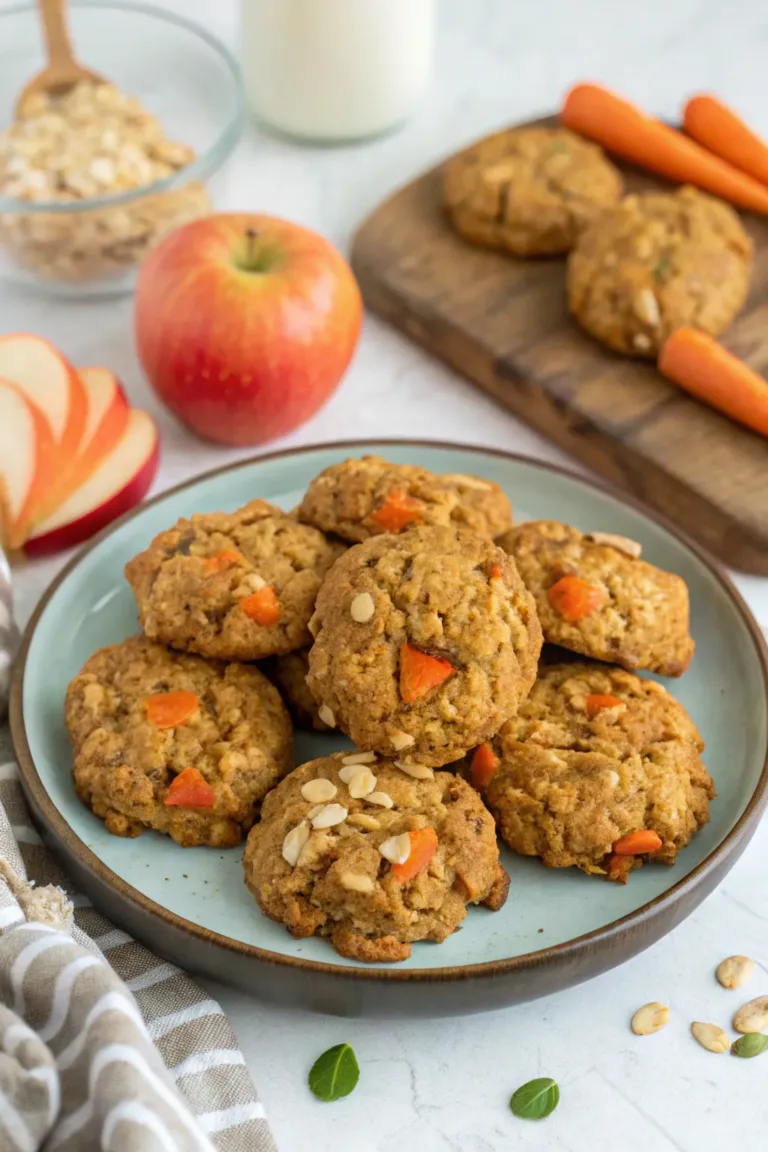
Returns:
(334, 70)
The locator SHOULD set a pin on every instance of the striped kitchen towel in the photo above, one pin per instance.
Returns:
(8, 634)
(102, 1045)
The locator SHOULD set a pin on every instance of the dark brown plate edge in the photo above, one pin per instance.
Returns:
(734, 841)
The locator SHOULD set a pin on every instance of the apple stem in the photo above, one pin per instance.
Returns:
(251, 235)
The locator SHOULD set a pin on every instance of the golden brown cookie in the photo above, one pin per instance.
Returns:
(172, 742)
(656, 262)
(361, 498)
(599, 769)
(354, 849)
(232, 585)
(595, 596)
(529, 190)
(289, 673)
(425, 643)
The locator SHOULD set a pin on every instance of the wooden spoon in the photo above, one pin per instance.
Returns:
(62, 71)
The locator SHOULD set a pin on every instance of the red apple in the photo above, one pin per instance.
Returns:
(245, 325)
(47, 379)
(120, 480)
(27, 463)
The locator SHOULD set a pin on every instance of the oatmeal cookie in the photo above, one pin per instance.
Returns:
(372, 858)
(599, 769)
(232, 585)
(168, 741)
(656, 262)
(529, 190)
(423, 641)
(367, 497)
(595, 596)
(289, 673)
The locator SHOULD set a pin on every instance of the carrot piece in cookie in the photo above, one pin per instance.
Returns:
(496, 572)
(638, 843)
(189, 789)
(596, 701)
(221, 560)
(423, 848)
(398, 511)
(574, 598)
(262, 607)
(618, 868)
(169, 709)
(420, 672)
(484, 764)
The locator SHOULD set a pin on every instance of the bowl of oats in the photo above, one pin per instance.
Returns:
(93, 177)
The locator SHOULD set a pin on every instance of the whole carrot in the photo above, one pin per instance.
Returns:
(709, 372)
(627, 131)
(718, 128)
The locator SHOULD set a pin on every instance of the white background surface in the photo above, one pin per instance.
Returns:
(438, 1085)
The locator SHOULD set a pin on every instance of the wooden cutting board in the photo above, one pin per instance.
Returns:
(504, 324)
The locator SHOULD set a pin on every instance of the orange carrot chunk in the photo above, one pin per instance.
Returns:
(484, 764)
(420, 673)
(717, 127)
(262, 607)
(618, 868)
(574, 598)
(627, 131)
(596, 701)
(496, 572)
(423, 848)
(189, 789)
(398, 511)
(638, 843)
(704, 368)
(221, 560)
(169, 709)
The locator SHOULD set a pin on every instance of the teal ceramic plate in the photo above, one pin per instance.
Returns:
(558, 927)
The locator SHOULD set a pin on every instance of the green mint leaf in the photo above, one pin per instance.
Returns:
(536, 1099)
(335, 1073)
(750, 1045)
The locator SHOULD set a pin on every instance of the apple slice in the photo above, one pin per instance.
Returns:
(118, 482)
(106, 420)
(48, 380)
(27, 461)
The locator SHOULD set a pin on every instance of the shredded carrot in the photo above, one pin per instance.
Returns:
(574, 598)
(420, 672)
(496, 571)
(398, 511)
(638, 843)
(221, 560)
(618, 868)
(596, 701)
(262, 607)
(717, 127)
(625, 130)
(189, 789)
(709, 372)
(423, 848)
(484, 765)
(169, 709)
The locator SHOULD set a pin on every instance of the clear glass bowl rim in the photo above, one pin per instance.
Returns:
(200, 168)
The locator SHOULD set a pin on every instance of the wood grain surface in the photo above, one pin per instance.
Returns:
(504, 324)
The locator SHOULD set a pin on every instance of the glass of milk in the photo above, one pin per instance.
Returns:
(336, 70)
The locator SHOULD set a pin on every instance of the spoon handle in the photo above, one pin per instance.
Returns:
(53, 14)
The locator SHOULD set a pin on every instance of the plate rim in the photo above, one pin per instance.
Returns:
(59, 828)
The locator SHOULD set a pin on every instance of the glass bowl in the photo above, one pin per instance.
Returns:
(179, 73)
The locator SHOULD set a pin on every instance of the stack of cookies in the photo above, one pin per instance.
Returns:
(402, 609)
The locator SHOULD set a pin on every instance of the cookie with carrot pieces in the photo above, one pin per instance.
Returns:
(425, 643)
(656, 262)
(600, 770)
(175, 743)
(596, 596)
(368, 497)
(529, 191)
(289, 674)
(232, 585)
(352, 848)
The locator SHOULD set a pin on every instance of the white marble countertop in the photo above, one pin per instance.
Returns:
(445, 1084)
